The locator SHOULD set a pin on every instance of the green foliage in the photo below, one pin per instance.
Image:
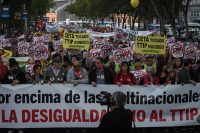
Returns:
(33, 7)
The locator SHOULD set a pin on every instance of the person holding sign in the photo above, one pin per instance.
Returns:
(124, 76)
(55, 73)
(14, 76)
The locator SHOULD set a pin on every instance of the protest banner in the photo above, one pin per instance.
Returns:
(53, 27)
(150, 45)
(40, 52)
(58, 105)
(23, 48)
(76, 41)
(21, 60)
(177, 49)
(100, 34)
(122, 54)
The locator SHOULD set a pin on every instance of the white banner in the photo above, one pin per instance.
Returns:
(59, 105)
(100, 34)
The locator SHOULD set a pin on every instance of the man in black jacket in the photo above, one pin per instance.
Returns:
(14, 75)
(118, 119)
(100, 75)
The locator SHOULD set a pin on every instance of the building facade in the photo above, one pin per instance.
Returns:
(194, 11)
(59, 11)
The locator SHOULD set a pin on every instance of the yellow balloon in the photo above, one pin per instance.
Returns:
(135, 3)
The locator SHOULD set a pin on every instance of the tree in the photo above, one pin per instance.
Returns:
(33, 7)
(186, 4)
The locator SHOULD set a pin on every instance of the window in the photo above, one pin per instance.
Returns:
(191, 13)
(197, 13)
(194, 13)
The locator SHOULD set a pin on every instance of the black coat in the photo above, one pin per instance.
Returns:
(118, 120)
(107, 74)
(10, 77)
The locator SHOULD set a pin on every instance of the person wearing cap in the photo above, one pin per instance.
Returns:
(55, 73)
(124, 76)
(14, 75)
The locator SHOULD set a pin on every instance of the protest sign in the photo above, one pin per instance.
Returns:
(150, 45)
(68, 106)
(23, 48)
(122, 54)
(76, 41)
(31, 50)
(5, 43)
(40, 52)
(95, 53)
(138, 74)
(29, 69)
(177, 49)
(121, 36)
(190, 51)
(98, 43)
(57, 45)
(106, 50)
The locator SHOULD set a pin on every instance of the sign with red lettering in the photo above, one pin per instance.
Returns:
(23, 48)
(106, 50)
(98, 43)
(57, 45)
(190, 51)
(121, 36)
(95, 53)
(33, 106)
(40, 52)
(5, 43)
(122, 54)
(177, 50)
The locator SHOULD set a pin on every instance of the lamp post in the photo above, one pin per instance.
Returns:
(25, 15)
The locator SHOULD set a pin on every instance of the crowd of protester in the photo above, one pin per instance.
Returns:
(61, 67)
(74, 70)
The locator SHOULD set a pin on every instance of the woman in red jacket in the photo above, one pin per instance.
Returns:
(124, 77)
